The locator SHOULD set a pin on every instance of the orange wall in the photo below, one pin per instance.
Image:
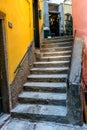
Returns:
(80, 16)
(80, 25)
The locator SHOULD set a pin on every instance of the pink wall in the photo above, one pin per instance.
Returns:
(79, 8)
(80, 16)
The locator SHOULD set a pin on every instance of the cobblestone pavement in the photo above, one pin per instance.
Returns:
(16, 124)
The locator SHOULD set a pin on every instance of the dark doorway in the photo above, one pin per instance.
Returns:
(4, 96)
(54, 24)
(1, 109)
(36, 24)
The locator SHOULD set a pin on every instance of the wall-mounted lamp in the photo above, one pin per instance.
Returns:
(28, 1)
(10, 25)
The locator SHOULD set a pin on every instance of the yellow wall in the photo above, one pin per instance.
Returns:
(20, 14)
(67, 8)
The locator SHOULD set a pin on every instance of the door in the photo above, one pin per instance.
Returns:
(4, 93)
(54, 24)
(1, 110)
(36, 24)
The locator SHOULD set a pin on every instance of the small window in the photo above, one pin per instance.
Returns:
(68, 17)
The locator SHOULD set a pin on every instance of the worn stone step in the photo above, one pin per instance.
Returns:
(52, 70)
(43, 98)
(52, 64)
(57, 39)
(56, 44)
(60, 53)
(35, 112)
(45, 41)
(50, 54)
(54, 49)
(55, 58)
(21, 124)
(60, 37)
(48, 78)
(45, 87)
(4, 119)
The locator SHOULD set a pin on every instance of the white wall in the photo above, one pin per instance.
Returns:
(56, 1)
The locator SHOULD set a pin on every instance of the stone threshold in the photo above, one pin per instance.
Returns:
(3, 119)
(27, 125)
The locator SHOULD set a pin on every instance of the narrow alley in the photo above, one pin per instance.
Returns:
(43, 65)
(43, 102)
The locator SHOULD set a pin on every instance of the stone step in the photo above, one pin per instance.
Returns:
(21, 124)
(45, 87)
(35, 112)
(55, 44)
(60, 53)
(56, 41)
(45, 93)
(43, 98)
(52, 70)
(52, 64)
(4, 119)
(55, 58)
(54, 49)
(60, 39)
(48, 78)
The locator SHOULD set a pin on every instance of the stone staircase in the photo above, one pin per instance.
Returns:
(45, 93)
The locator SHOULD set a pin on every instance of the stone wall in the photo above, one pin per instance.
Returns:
(21, 75)
(74, 101)
(80, 25)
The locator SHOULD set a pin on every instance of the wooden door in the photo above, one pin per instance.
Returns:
(36, 24)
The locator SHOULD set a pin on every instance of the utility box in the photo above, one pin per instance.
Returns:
(46, 32)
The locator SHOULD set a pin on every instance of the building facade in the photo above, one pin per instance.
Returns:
(80, 30)
(67, 6)
(46, 14)
(63, 12)
(20, 25)
(51, 17)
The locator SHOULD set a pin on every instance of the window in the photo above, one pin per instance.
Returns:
(68, 17)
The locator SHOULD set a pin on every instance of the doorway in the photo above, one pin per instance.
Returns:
(54, 24)
(1, 109)
(36, 24)
(1, 106)
(4, 93)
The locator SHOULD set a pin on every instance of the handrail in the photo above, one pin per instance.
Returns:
(19, 65)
